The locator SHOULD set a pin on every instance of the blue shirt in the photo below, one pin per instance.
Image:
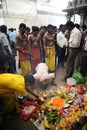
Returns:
(12, 36)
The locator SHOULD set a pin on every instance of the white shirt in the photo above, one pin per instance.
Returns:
(85, 46)
(75, 38)
(62, 40)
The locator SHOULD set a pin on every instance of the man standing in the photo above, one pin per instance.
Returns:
(49, 46)
(62, 42)
(74, 47)
(23, 49)
(35, 46)
(6, 49)
(84, 59)
(41, 33)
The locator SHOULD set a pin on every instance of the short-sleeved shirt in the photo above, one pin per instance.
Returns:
(12, 36)
(4, 42)
(75, 38)
(62, 40)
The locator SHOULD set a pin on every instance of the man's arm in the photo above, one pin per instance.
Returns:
(7, 50)
(31, 92)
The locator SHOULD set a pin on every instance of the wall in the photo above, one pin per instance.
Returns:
(25, 11)
(51, 19)
(40, 20)
(14, 22)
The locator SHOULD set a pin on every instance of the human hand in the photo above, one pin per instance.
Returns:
(37, 99)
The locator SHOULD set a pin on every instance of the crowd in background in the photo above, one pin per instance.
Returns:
(63, 47)
(49, 44)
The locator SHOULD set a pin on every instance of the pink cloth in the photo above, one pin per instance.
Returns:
(42, 72)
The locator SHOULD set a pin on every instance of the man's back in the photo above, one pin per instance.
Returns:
(4, 42)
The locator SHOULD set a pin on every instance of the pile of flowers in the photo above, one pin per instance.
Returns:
(65, 109)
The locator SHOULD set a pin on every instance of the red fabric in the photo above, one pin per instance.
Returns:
(36, 57)
(23, 56)
(25, 116)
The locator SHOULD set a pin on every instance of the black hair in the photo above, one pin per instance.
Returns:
(43, 27)
(35, 28)
(28, 28)
(49, 26)
(3, 28)
(83, 27)
(11, 29)
(14, 29)
(29, 79)
(22, 25)
(70, 24)
(77, 25)
(61, 26)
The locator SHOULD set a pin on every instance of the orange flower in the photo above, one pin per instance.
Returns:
(58, 102)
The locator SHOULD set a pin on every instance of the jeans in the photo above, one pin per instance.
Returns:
(11, 68)
(61, 57)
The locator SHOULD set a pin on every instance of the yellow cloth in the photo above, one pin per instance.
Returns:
(25, 67)
(50, 58)
(11, 83)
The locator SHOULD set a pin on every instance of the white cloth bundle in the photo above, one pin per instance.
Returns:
(42, 72)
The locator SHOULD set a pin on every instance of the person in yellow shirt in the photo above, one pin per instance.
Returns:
(12, 85)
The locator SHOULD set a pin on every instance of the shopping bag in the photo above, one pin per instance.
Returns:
(78, 77)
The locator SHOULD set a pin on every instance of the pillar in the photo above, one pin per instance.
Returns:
(82, 19)
(68, 16)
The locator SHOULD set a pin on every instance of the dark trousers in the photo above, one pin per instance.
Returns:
(71, 61)
(84, 65)
(61, 56)
(11, 61)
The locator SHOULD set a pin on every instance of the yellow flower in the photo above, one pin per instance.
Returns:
(64, 128)
(85, 99)
(70, 119)
(45, 122)
(86, 108)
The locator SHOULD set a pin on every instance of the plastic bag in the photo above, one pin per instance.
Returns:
(78, 77)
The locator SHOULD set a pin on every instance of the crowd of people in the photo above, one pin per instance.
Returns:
(63, 47)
